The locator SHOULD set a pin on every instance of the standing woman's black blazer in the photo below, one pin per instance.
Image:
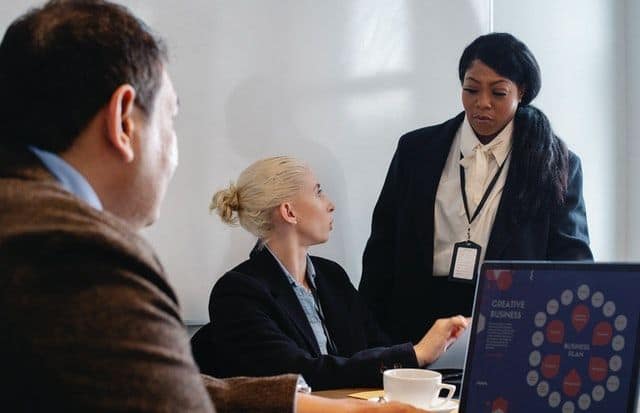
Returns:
(397, 279)
(258, 328)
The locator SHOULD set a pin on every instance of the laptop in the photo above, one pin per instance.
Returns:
(554, 337)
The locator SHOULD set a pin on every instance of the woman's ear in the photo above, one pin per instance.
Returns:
(120, 122)
(286, 212)
(521, 91)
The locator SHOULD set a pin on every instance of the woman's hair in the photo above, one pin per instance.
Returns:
(540, 158)
(260, 188)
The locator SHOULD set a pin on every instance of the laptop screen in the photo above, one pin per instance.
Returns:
(553, 337)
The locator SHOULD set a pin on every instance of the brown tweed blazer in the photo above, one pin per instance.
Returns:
(88, 321)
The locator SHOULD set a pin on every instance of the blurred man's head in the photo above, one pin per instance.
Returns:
(87, 80)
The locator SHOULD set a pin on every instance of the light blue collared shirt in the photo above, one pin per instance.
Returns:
(307, 301)
(68, 177)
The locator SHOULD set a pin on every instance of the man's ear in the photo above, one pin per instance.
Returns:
(120, 122)
(286, 212)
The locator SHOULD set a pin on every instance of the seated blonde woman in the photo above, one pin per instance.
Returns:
(284, 310)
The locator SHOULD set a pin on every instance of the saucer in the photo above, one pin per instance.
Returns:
(444, 408)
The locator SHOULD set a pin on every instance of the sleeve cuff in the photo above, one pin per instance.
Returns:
(250, 394)
(400, 356)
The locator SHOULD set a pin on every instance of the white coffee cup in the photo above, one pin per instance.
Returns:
(417, 387)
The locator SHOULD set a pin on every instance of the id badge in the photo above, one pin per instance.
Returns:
(464, 261)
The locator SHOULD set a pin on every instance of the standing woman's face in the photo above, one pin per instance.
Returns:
(490, 100)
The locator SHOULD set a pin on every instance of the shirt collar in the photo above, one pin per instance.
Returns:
(500, 146)
(68, 177)
(311, 270)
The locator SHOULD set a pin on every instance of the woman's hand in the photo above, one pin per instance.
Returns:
(439, 337)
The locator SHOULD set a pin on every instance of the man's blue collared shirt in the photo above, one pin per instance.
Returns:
(69, 178)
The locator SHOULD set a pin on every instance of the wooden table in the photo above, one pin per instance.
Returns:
(342, 393)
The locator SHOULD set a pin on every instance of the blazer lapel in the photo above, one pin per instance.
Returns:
(434, 155)
(267, 267)
(336, 309)
(502, 230)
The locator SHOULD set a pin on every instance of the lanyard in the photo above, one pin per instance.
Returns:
(470, 218)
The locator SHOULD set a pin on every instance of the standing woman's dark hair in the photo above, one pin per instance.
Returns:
(539, 157)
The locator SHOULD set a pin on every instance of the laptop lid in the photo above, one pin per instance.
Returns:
(553, 337)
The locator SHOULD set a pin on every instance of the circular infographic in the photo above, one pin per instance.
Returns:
(576, 349)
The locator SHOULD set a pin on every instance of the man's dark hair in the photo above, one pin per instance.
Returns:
(61, 63)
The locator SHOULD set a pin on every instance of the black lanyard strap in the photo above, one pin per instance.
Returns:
(486, 192)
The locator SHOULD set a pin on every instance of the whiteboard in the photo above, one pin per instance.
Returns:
(333, 82)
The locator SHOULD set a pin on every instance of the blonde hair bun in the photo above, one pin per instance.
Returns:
(225, 202)
(260, 188)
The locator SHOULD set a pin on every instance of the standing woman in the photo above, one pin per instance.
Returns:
(492, 183)
(285, 311)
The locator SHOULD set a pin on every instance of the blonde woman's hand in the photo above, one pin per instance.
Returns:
(439, 337)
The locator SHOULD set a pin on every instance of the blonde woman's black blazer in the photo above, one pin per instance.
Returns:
(258, 328)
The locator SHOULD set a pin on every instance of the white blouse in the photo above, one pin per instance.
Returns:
(480, 163)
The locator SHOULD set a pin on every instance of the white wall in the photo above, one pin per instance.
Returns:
(333, 82)
(580, 47)
(632, 13)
